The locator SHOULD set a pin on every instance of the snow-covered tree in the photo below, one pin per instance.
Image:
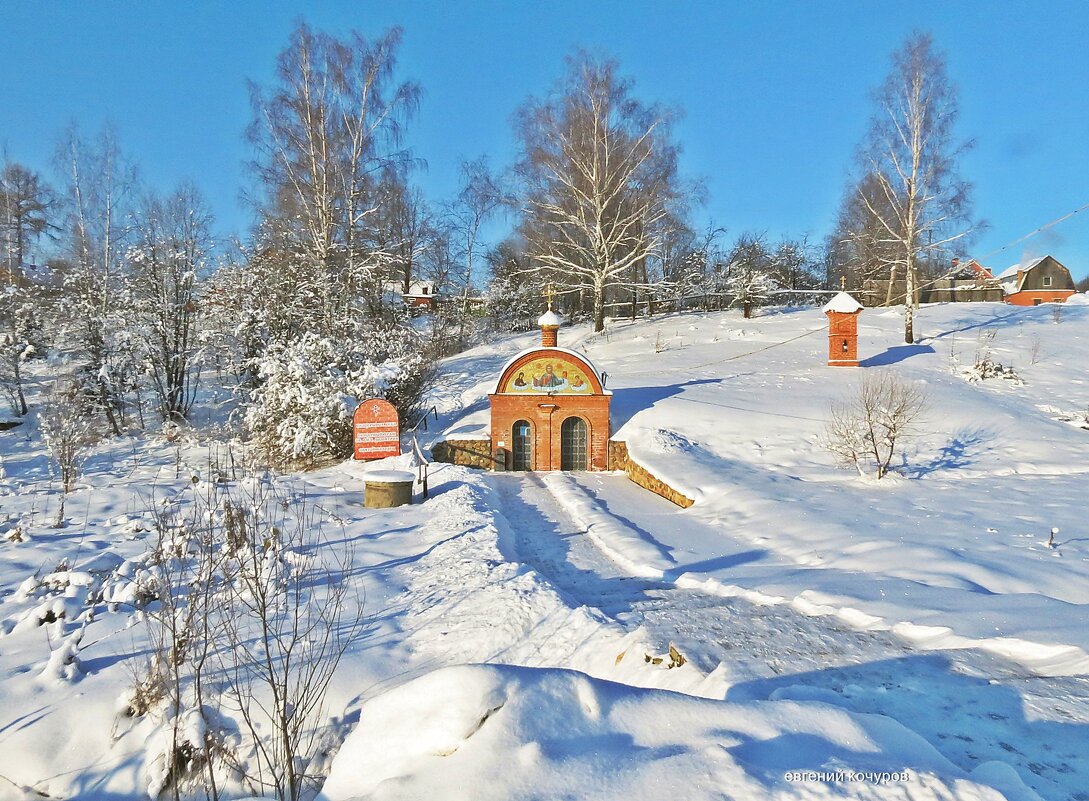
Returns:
(68, 431)
(867, 429)
(99, 185)
(172, 241)
(324, 135)
(511, 303)
(301, 412)
(21, 339)
(747, 279)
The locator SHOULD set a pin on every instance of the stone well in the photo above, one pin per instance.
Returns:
(387, 488)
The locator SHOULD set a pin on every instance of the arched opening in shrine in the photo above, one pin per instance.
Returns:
(574, 444)
(522, 445)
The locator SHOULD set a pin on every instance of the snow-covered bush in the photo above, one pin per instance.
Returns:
(986, 368)
(68, 431)
(866, 429)
(749, 288)
(512, 304)
(301, 413)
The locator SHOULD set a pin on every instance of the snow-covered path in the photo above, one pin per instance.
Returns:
(970, 705)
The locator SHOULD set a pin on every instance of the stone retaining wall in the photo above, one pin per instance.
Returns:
(477, 453)
(620, 460)
(465, 452)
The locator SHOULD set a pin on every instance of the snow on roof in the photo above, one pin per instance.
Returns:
(1020, 267)
(843, 303)
(549, 318)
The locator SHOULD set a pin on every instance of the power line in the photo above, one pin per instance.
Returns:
(1054, 222)
(898, 298)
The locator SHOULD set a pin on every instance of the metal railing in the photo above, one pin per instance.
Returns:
(421, 463)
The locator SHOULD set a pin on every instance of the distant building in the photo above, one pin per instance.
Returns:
(970, 269)
(421, 295)
(1030, 283)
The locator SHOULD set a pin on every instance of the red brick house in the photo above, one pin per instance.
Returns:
(550, 409)
(1042, 280)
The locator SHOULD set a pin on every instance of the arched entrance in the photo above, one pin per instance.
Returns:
(522, 446)
(573, 444)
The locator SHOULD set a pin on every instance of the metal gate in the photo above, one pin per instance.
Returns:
(522, 446)
(573, 444)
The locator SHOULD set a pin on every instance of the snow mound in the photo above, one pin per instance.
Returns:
(504, 732)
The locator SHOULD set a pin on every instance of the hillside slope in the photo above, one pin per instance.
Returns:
(950, 551)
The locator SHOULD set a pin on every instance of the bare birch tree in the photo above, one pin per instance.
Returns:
(599, 174)
(323, 137)
(912, 154)
(99, 187)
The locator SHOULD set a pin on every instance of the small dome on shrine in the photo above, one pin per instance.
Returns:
(843, 304)
(550, 318)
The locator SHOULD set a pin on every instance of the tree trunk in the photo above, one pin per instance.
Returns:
(20, 398)
(892, 286)
(599, 309)
(909, 302)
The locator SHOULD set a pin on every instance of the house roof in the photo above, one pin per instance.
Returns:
(1020, 267)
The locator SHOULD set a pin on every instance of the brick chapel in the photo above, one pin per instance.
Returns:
(550, 408)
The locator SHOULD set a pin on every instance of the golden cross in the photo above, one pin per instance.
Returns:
(843, 282)
(549, 293)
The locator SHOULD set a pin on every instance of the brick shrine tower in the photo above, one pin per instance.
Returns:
(843, 311)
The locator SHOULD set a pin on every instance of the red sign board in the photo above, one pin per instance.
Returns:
(376, 430)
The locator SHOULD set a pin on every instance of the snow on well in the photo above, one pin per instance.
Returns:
(510, 733)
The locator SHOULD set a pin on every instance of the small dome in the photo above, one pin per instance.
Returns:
(843, 303)
(550, 318)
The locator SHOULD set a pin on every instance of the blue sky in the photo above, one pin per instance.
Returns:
(775, 95)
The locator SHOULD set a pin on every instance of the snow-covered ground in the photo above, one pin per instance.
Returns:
(918, 626)
(952, 553)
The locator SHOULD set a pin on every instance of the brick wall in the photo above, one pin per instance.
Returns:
(1029, 297)
(545, 414)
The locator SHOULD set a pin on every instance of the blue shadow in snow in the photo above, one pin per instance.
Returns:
(716, 563)
(968, 718)
(628, 401)
(897, 353)
(961, 451)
